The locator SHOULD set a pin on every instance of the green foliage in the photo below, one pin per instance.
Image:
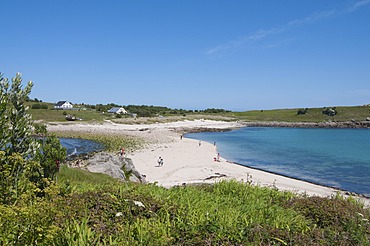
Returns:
(16, 122)
(111, 142)
(357, 113)
(302, 111)
(24, 165)
(39, 106)
(100, 210)
(15, 172)
(215, 110)
(339, 220)
(329, 111)
(50, 153)
(28, 224)
(79, 233)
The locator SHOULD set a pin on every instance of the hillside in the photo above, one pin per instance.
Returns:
(357, 113)
(350, 113)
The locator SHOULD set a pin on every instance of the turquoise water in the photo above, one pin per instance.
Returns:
(338, 158)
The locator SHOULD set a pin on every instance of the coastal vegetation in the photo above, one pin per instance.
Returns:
(153, 114)
(94, 209)
(42, 111)
(111, 142)
(350, 113)
(44, 202)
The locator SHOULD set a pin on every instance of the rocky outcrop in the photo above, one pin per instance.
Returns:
(116, 166)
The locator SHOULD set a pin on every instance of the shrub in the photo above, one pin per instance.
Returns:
(329, 111)
(302, 111)
(36, 106)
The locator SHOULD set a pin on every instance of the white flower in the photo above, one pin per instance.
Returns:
(140, 204)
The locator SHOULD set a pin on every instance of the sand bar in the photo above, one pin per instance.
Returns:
(187, 161)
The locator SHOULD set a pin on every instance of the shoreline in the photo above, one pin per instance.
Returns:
(343, 191)
(188, 162)
(326, 124)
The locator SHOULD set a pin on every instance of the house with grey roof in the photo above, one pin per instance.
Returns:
(117, 111)
(63, 105)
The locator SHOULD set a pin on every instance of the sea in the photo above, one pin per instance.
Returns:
(77, 146)
(338, 158)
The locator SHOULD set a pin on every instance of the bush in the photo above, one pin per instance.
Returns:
(302, 111)
(36, 106)
(329, 111)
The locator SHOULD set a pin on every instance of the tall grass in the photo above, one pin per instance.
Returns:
(112, 142)
(102, 211)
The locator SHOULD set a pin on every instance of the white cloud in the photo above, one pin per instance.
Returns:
(358, 5)
(261, 34)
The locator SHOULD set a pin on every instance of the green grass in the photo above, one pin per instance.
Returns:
(111, 141)
(358, 113)
(48, 115)
(94, 209)
(78, 180)
(89, 115)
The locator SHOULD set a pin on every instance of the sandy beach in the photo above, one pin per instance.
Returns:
(187, 161)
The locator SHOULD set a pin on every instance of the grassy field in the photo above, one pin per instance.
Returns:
(51, 115)
(94, 209)
(358, 113)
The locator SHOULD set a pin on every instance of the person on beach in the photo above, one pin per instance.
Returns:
(181, 137)
(200, 143)
(122, 152)
(160, 161)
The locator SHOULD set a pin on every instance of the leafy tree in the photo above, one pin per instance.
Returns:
(16, 143)
(24, 161)
(49, 154)
(16, 122)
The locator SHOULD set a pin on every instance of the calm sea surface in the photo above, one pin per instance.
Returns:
(338, 158)
(77, 146)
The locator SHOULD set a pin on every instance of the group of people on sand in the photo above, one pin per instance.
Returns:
(160, 161)
(217, 158)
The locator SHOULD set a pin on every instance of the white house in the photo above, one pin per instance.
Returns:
(117, 111)
(63, 105)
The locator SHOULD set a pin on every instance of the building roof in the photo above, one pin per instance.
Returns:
(60, 103)
(115, 110)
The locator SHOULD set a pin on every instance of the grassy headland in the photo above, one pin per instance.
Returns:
(357, 113)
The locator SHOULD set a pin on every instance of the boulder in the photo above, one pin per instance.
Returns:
(116, 166)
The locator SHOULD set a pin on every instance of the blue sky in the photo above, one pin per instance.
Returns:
(232, 54)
